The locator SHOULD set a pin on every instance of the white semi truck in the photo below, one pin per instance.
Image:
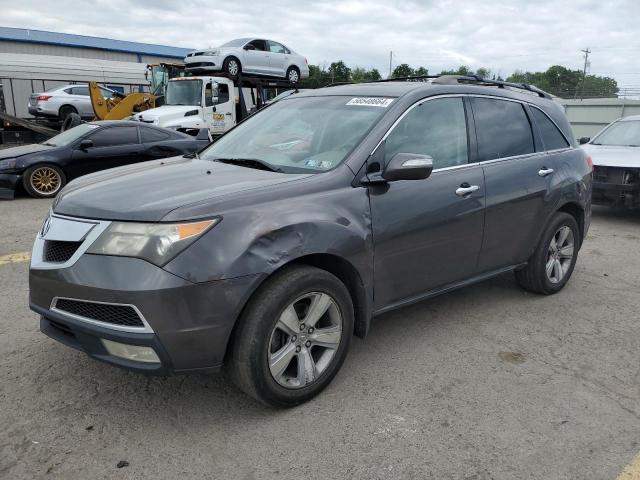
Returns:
(216, 103)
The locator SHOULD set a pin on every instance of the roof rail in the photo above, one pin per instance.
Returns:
(456, 79)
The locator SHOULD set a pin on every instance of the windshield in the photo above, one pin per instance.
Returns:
(296, 135)
(623, 133)
(69, 136)
(184, 92)
(238, 42)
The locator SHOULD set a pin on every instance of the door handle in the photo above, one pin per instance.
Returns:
(465, 189)
(228, 113)
(544, 171)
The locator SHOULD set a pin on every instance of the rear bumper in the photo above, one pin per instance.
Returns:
(190, 324)
(8, 183)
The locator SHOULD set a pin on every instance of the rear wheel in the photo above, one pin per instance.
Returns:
(293, 75)
(65, 111)
(232, 66)
(552, 264)
(43, 181)
(293, 337)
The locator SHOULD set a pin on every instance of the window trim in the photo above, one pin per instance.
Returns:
(418, 103)
(555, 125)
(469, 95)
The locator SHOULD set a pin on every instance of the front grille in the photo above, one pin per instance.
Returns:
(123, 315)
(200, 64)
(59, 252)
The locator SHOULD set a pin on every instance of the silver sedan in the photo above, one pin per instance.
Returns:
(251, 56)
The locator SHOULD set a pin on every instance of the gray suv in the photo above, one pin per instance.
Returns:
(269, 250)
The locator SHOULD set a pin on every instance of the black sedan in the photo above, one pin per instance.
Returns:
(46, 167)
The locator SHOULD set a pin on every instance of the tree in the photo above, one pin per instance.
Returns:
(402, 70)
(339, 72)
(565, 83)
(483, 72)
(462, 70)
(359, 75)
(420, 72)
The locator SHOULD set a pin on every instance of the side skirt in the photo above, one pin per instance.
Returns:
(447, 288)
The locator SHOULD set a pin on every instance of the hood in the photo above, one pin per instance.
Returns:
(165, 113)
(148, 191)
(613, 156)
(16, 152)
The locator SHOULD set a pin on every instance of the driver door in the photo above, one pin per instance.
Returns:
(113, 146)
(256, 57)
(427, 234)
(219, 111)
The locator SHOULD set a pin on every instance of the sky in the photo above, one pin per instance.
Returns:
(437, 34)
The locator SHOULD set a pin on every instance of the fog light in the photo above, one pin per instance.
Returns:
(131, 352)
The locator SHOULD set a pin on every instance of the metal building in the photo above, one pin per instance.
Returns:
(34, 61)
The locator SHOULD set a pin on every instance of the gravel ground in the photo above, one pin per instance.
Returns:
(483, 383)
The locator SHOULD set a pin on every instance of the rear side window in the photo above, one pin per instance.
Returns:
(551, 136)
(437, 128)
(150, 135)
(80, 91)
(114, 136)
(502, 128)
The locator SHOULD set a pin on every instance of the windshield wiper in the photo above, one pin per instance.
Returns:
(247, 162)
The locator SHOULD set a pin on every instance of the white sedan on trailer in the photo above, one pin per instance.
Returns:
(251, 56)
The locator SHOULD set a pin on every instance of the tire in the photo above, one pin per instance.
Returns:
(272, 345)
(535, 277)
(43, 181)
(232, 66)
(72, 120)
(293, 75)
(65, 111)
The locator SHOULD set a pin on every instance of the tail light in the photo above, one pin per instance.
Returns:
(42, 98)
(590, 163)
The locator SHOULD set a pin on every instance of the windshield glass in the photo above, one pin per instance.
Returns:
(238, 42)
(69, 136)
(624, 133)
(184, 92)
(297, 135)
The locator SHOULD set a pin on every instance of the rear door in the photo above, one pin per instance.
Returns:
(279, 58)
(427, 233)
(81, 101)
(113, 146)
(158, 144)
(519, 179)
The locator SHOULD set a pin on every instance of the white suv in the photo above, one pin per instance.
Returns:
(62, 101)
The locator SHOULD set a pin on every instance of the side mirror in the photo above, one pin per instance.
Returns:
(249, 47)
(408, 166)
(583, 140)
(86, 144)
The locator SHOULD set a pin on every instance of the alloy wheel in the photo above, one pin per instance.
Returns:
(560, 254)
(45, 180)
(233, 67)
(305, 340)
(293, 75)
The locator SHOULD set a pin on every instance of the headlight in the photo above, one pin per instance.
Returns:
(156, 242)
(8, 164)
(211, 52)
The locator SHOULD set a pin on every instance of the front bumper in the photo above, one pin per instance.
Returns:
(190, 324)
(606, 193)
(8, 183)
(204, 62)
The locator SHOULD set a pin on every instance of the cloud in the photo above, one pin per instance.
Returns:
(438, 34)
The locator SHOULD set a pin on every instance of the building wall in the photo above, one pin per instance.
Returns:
(7, 46)
(588, 117)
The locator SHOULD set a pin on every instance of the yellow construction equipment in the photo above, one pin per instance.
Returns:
(119, 105)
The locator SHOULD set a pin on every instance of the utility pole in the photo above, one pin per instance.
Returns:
(390, 63)
(584, 73)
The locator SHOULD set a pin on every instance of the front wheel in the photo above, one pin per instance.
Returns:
(552, 264)
(43, 181)
(293, 337)
(232, 66)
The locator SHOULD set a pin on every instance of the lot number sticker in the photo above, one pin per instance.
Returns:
(371, 101)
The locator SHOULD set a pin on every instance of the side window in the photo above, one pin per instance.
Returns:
(150, 135)
(259, 44)
(276, 47)
(551, 136)
(112, 136)
(208, 95)
(437, 128)
(223, 93)
(80, 91)
(502, 128)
